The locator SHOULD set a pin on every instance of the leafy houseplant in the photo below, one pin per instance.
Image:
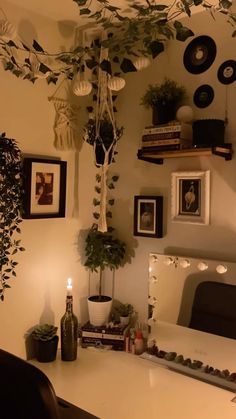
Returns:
(10, 209)
(46, 342)
(125, 310)
(105, 139)
(163, 99)
(103, 250)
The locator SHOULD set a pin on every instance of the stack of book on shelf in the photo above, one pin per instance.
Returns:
(158, 138)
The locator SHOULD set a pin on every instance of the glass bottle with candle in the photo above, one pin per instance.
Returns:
(69, 330)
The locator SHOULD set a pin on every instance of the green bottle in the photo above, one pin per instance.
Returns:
(69, 332)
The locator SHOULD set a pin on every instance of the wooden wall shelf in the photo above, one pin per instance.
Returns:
(224, 151)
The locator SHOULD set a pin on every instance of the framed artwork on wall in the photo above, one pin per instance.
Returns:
(44, 188)
(190, 197)
(148, 216)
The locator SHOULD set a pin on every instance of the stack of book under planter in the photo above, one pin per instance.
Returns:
(165, 137)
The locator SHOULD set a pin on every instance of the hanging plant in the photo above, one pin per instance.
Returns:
(10, 210)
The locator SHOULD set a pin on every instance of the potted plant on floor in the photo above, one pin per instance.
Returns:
(46, 342)
(163, 99)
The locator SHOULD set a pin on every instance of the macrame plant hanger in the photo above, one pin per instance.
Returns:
(65, 123)
(66, 133)
(104, 106)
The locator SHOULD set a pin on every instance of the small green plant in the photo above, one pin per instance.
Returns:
(44, 332)
(125, 310)
(161, 94)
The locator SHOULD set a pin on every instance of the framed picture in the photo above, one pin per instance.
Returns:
(44, 188)
(148, 215)
(190, 197)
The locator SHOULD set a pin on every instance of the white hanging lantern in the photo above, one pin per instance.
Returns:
(81, 87)
(141, 63)
(116, 83)
(7, 30)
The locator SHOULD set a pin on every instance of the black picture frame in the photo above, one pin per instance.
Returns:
(148, 216)
(44, 184)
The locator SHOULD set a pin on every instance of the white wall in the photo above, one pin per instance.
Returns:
(52, 252)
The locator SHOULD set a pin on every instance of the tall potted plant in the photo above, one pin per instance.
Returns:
(10, 210)
(103, 251)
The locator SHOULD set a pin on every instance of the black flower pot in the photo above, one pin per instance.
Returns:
(46, 350)
(161, 114)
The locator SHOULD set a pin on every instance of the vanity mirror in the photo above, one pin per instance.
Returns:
(173, 281)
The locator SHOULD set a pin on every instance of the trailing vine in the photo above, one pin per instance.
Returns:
(10, 210)
(143, 32)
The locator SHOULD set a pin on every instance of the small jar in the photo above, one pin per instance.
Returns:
(138, 343)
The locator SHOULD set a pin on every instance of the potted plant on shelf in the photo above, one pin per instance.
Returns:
(46, 342)
(163, 99)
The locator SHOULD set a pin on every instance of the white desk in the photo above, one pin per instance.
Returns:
(118, 385)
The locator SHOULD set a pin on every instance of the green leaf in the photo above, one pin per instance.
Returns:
(182, 32)
(156, 48)
(11, 44)
(106, 66)
(37, 47)
(127, 66)
(84, 11)
(91, 63)
(226, 4)
(44, 69)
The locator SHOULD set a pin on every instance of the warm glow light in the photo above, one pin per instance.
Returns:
(69, 286)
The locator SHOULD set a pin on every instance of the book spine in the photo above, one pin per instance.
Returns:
(161, 142)
(161, 130)
(161, 136)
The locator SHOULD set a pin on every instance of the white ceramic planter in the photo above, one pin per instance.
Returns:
(99, 311)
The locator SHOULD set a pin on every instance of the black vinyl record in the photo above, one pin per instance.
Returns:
(203, 96)
(227, 72)
(199, 54)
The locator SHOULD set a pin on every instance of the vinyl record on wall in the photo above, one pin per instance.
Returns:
(199, 54)
(203, 96)
(227, 72)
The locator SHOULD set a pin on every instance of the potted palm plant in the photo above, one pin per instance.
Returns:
(46, 342)
(163, 99)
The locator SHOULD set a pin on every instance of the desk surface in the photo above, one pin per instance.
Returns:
(119, 385)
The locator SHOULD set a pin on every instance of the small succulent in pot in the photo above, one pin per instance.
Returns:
(44, 332)
(125, 310)
(46, 342)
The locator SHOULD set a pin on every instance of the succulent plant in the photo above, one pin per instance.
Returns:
(44, 332)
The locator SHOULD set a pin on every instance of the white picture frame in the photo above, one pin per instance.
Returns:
(190, 197)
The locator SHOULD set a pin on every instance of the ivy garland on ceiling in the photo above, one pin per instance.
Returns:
(141, 34)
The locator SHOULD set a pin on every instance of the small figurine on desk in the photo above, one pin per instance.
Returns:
(69, 328)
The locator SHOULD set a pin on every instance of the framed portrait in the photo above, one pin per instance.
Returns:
(190, 197)
(44, 188)
(148, 216)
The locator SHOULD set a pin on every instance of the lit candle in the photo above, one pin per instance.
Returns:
(69, 286)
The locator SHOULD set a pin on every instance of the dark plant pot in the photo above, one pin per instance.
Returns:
(46, 351)
(161, 114)
(100, 155)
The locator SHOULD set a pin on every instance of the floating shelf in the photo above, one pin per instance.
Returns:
(224, 151)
